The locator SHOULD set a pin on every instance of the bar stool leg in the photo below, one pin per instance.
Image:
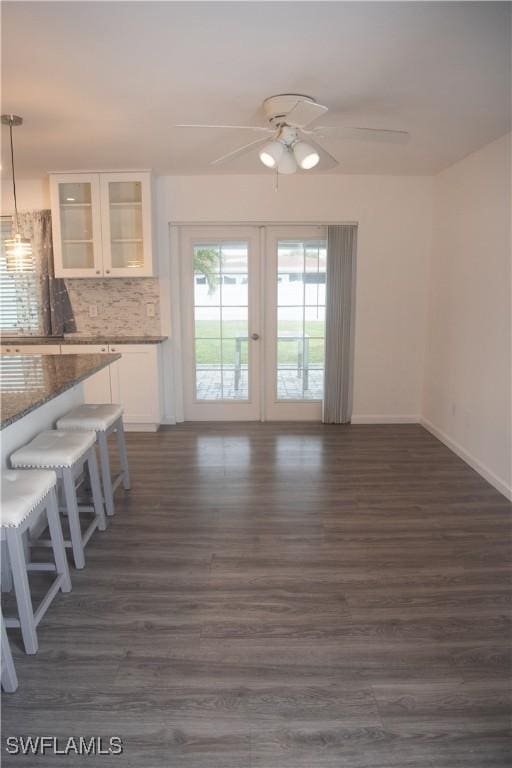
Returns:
(9, 677)
(73, 518)
(5, 568)
(105, 473)
(92, 466)
(59, 551)
(22, 589)
(123, 457)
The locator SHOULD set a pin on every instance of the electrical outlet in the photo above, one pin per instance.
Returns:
(93, 310)
(150, 310)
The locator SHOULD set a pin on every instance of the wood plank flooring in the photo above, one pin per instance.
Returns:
(284, 596)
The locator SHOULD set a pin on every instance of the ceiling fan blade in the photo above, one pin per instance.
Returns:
(323, 151)
(362, 134)
(236, 127)
(238, 152)
(304, 112)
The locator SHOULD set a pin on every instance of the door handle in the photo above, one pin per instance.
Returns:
(255, 336)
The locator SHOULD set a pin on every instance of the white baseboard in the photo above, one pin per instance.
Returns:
(133, 427)
(486, 473)
(375, 419)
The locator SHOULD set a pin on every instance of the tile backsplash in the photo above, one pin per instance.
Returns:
(121, 305)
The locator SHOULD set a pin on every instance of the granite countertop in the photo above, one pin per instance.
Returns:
(19, 340)
(29, 381)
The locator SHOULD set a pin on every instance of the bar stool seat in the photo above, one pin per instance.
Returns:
(68, 453)
(104, 419)
(26, 496)
(97, 418)
(53, 448)
(22, 492)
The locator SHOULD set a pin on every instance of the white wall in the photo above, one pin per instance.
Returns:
(395, 222)
(32, 194)
(467, 395)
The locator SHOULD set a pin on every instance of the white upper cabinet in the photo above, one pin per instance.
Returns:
(102, 224)
(126, 224)
(76, 225)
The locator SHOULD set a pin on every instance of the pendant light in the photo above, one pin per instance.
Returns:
(18, 250)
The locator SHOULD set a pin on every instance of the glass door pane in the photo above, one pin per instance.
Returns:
(76, 224)
(301, 275)
(125, 215)
(221, 317)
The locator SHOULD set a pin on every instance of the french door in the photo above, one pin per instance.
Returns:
(253, 305)
(294, 323)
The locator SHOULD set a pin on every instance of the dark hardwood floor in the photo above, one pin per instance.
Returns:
(284, 596)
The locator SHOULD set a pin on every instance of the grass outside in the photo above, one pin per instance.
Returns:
(208, 343)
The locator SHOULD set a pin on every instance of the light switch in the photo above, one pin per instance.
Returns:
(150, 310)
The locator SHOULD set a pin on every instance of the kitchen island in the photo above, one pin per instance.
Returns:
(35, 390)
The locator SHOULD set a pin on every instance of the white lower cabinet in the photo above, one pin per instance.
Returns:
(133, 381)
(97, 388)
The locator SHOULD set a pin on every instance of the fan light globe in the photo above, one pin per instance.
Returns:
(287, 164)
(306, 156)
(271, 154)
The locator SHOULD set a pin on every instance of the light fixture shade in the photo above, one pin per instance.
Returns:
(287, 164)
(271, 153)
(18, 254)
(306, 155)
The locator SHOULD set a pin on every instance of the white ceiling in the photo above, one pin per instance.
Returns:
(100, 84)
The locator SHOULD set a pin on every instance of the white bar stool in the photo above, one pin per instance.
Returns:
(8, 676)
(103, 420)
(68, 454)
(26, 496)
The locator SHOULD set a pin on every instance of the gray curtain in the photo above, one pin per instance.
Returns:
(56, 313)
(339, 323)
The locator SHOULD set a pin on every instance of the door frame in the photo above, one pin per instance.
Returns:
(219, 410)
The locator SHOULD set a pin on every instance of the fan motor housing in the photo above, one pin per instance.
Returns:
(277, 107)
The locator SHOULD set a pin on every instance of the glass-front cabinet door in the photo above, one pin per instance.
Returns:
(126, 224)
(76, 224)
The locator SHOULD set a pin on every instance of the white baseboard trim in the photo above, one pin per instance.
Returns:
(371, 419)
(134, 427)
(486, 473)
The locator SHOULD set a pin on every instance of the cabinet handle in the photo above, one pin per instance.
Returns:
(113, 349)
(107, 271)
(16, 350)
(103, 349)
(97, 272)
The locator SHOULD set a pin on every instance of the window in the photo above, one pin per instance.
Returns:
(19, 293)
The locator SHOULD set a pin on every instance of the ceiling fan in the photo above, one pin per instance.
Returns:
(289, 115)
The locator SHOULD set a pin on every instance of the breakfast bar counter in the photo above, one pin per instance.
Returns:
(35, 390)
